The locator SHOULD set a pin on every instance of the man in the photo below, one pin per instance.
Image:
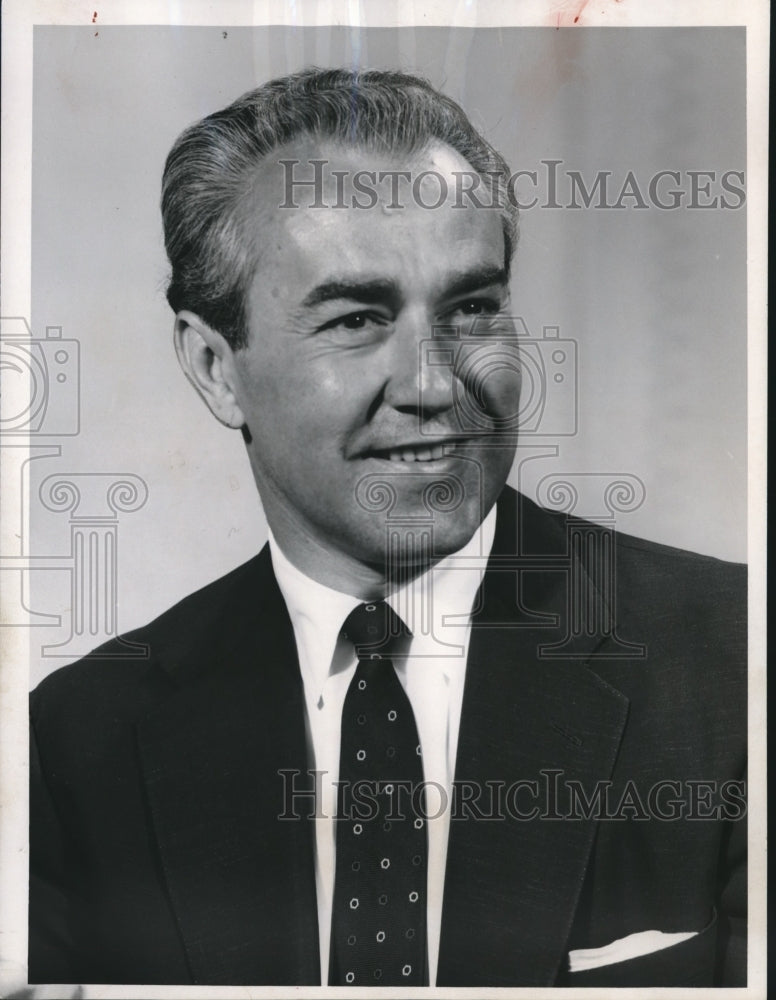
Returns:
(563, 709)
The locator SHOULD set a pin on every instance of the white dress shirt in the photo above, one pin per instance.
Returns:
(437, 609)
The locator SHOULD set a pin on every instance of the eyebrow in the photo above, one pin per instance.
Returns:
(478, 277)
(375, 290)
(370, 291)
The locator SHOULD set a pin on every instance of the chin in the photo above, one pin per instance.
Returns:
(451, 534)
(410, 546)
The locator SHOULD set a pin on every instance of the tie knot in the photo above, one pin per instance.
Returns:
(374, 629)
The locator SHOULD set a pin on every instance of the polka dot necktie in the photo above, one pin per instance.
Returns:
(379, 912)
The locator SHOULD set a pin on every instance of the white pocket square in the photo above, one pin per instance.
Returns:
(632, 946)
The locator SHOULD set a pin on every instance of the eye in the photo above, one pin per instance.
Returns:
(355, 321)
(478, 307)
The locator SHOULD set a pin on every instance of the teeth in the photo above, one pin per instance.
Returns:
(419, 454)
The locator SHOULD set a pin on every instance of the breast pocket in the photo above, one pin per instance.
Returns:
(689, 963)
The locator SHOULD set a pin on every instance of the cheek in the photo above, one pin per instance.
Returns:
(329, 383)
(298, 401)
(502, 393)
(492, 375)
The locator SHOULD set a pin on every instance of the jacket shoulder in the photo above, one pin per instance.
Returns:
(119, 671)
(677, 556)
(681, 575)
(665, 590)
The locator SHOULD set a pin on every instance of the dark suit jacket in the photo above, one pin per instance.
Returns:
(158, 857)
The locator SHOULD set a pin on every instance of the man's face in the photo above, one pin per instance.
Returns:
(338, 385)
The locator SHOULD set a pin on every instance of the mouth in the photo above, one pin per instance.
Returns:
(419, 452)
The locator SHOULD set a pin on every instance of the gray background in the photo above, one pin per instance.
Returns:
(656, 300)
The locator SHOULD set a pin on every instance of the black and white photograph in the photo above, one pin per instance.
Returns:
(382, 551)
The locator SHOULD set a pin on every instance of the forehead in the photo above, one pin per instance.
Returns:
(399, 215)
(335, 166)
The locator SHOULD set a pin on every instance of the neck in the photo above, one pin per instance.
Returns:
(333, 567)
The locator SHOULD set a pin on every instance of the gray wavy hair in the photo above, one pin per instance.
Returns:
(207, 176)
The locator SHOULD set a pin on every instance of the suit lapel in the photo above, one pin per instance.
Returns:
(512, 884)
(241, 881)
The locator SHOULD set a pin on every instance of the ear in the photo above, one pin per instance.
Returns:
(208, 362)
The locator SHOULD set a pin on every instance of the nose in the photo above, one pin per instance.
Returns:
(421, 363)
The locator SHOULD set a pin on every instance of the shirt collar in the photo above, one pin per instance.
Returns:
(317, 611)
